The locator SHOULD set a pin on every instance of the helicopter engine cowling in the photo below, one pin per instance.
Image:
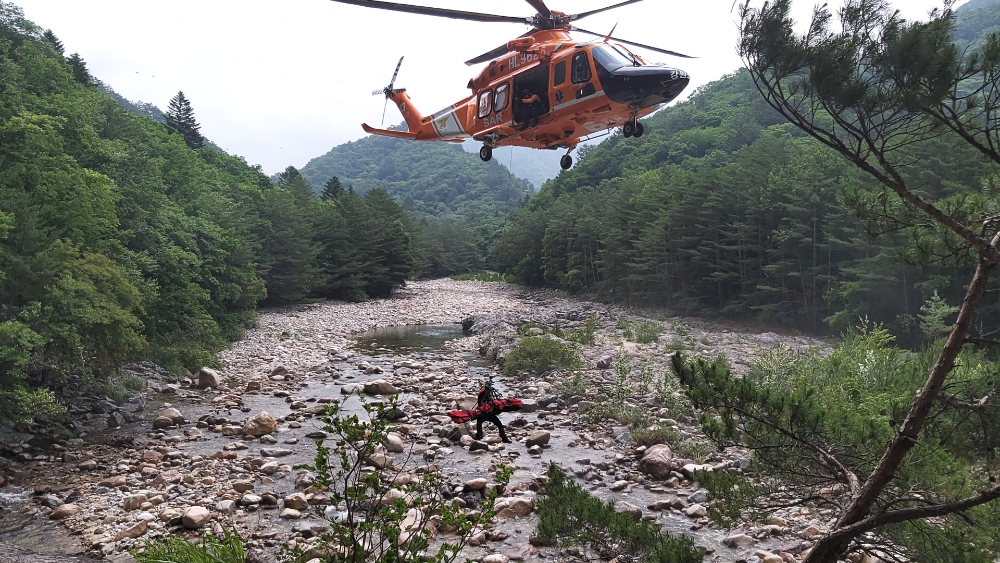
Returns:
(644, 86)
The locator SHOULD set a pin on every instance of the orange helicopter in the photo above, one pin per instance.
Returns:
(542, 90)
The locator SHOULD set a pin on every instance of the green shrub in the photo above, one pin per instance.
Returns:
(367, 531)
(538, 354)
(647, 331)
(654, 435)
(572, 387)
(225, 549)
(585, 335)
(568, 515)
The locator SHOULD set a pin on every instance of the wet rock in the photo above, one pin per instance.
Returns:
(260, 425)
(290, 513)
(380, 387)
(696, 511)
(657, 461)
(296, 500)
(738, 540)
(65, 511)
(226, 506)
(195, 517)
(173, 414)
(310, 528)
(114, 481)
(618, 485)
(133, 502)
(242, 486)
(632, 510)
(538, 438)
(535, 450)
(510, 507)
(475, 484)
(208, 377)
(135, 531)
(275, 452)
(520, 552)
(478, 445)
(161, 422)
(249, 498)
(393, 442)
(495, 558)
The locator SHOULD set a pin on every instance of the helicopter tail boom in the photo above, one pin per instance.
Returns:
(389, 133)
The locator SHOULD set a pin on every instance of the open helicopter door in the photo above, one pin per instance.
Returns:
(535, 81)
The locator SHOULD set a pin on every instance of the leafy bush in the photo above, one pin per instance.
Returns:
(654, 435)
(568, 515)
(376, 519)
(647, 331)
(572, 387)
(586, 334)
(538, 354)
(225, 549)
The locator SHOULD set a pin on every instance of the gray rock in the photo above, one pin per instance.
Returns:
(275, 452)
(260, 425)
(208, 377)
(538, 438)
(195, 517)
(380, 387)
(657, 461)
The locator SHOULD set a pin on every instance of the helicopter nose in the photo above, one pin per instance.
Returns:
(646, 85)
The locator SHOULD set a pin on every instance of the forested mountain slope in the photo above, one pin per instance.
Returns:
(118, 242)
(433, 179)
(722, 209)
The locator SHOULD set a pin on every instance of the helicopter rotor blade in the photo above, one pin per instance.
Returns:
(396, 72)
(540, 7)
(439, 12)
(633, 43)
(492, 54)
(582, 15)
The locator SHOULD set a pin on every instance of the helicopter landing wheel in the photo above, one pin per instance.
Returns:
(485, 153)
(639, 130)
(628, 129)
(566, 161)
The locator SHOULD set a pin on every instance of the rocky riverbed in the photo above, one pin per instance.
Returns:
(202, 454)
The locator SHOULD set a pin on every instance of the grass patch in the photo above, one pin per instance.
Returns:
(569, 515)
(538, 354)
(225, 549)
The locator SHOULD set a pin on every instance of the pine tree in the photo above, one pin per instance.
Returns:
(54, 41)
(180, 119)
(79, 66)
(332, 189)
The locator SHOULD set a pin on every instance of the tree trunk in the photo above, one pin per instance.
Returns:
(830, 547)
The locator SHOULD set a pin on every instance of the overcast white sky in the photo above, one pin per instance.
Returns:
(281, 82)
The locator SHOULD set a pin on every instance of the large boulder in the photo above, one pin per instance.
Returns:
(260, 425)
(538, 438)
(380, 387)
(208, 377)
(657, 461)
(195, 517)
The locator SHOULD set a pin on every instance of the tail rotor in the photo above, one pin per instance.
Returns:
(389, 91)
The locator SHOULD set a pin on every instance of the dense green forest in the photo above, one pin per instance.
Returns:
(448, 188)
(723, 209)
(118, 241)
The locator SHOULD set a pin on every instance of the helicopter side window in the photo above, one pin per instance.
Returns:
(485, 103)
(501, 99)
(581, 68)
(559, 75)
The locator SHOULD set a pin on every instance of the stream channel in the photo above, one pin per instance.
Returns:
(383, 347)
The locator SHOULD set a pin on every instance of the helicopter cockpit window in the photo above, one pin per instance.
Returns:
(610, 59)
(559, 76)
(581, 68)
(500, 101)
(485, 103)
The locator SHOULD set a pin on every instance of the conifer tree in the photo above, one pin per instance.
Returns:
(332, 189)
(54, 41)
(180, 119)
(79, 66)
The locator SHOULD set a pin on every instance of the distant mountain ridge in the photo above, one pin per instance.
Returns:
(431, 179)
